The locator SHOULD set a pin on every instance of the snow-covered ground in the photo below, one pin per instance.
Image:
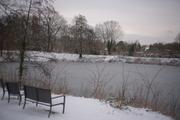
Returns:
(77, 108)
(44, 56)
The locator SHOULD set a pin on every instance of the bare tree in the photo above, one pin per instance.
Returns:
(8, 6)
(109, 32)
(24, 10)
(23, 43)
(134, 47)
(79, 30)
(177, 39)
(7, 12)
(54, 25)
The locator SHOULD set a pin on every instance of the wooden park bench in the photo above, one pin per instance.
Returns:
(41, 96)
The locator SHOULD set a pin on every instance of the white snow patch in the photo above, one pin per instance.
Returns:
(77, 108)
(50, 56)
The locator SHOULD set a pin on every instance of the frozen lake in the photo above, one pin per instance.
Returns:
(167, 78)
(80, 77)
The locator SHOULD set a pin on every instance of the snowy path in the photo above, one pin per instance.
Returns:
(77, 108)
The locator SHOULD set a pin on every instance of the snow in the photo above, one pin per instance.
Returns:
(77, 108)
(44, 56)
(40, 56)
(50, 56)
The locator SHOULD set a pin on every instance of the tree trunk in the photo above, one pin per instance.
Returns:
(2, 45)
(109, 47)
(80, 47)
(49, 39)
(23, 45)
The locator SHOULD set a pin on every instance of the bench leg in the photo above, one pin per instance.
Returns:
(20, 100)
(64, 104)
(24, 103)
(3, 95)
(50, 111)
(8, 98)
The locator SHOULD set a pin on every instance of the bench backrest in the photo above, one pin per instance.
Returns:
(44, 95)
(30, 92)
(13, 88)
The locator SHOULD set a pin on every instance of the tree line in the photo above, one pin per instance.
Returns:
(36, 25)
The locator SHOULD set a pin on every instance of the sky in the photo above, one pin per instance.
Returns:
(147, 21)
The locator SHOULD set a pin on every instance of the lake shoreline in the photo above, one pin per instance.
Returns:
(35, 56)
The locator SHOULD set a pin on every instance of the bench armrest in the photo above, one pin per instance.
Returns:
(58, 96)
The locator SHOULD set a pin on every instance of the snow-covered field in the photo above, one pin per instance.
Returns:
(44, 56)
(77, 108)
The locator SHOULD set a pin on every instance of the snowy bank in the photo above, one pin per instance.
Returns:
(51, 56)
(77, 108)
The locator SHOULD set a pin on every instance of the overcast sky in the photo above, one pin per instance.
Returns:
(148, 21)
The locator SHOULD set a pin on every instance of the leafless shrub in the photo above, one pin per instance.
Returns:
(44, 70)
(121, 98)
(35, 78)
(173, 103)
(99, 79)
(148, 83)
(148, 94)
(137, 96)
(45, 75)
(85, 91)
(59, 82)
(156, 98)
(8, 73)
